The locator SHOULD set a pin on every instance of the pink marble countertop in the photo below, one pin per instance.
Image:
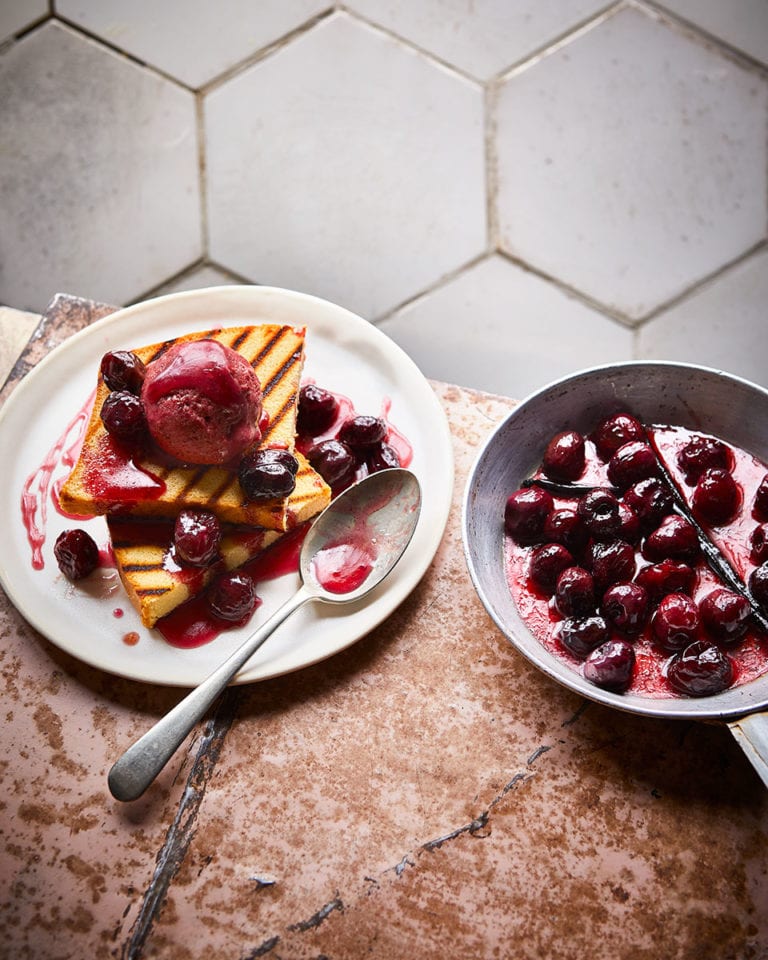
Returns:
(425, 793)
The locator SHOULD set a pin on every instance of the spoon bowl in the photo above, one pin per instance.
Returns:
(351, 547)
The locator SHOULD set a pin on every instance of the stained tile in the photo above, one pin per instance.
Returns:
(346, 165)
(483, 37)
(16, 15)
(192, 40)
(99, 190)
(722, 325)
(741, 23)
(502, 329)
(631, 162)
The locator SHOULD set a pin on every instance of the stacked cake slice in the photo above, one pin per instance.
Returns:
(142, 491)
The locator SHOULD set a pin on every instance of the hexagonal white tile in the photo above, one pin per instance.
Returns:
(631, 161)
(17, 15)
(99, 185)
(348, 166)
(192, 40)
(742, 23)
(722, 325)
(482, 37)
(499, 328)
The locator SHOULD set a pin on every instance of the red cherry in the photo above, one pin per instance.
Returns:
(632, 463)
(717, 497)
(614, 432)
(611, 665)
(564, 456)
(525, 514)
(700, 670)
(676, 622)
(725, 615)
(547, 563)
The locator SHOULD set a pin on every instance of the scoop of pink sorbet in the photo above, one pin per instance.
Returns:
(202, 402)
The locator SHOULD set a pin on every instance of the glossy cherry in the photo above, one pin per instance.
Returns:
(702, 453)
(526, 512)
(267, 474)
(625, 607)
(233, 597)
(334, 461)
(196, 536)
(615, 431)
(564, 525)
(700, 670)
(564, 456)
(123, 370)
(575, 592)
(650, 500)
(611, 665)
(758, 542)
(363, 433)
(599, 509)
(630, 524)
(676, 622)
(122, 414)
(76, 554)
(382, 457)
(632, 463)
(758, 585)
(317, 412)
(580, 636)
(674, 539)
(612, 562)
(669, 576)
(760, 503)
(725, 615)
(547, 563)
(717, 497)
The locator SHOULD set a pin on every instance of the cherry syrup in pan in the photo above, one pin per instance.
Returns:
(636, 552)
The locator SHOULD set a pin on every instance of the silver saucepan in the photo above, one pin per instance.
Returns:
(662, 393)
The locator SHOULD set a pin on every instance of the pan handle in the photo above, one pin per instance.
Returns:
(751, 733)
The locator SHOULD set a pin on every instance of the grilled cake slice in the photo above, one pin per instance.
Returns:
(154, 578)
(108, 478)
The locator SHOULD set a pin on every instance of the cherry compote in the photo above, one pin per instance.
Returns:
(76, 554)
(196, 536)
(267, 474)
(233, 597)
(644, 567)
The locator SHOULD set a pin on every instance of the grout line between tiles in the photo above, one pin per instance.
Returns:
(674, 19)
(202, 144)
(264, 52)
(551, 46)
(24, 32)
(707, 281)
(490, 104)
(436, 285)
(434, 58)
(113, 48)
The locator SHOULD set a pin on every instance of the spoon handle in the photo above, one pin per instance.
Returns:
(140, 764)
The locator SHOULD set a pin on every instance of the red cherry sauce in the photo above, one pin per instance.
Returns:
(40, 484)
(394, 437)
(749, 656)
(193, 623)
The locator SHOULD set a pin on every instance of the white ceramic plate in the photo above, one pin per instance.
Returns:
(344, 353)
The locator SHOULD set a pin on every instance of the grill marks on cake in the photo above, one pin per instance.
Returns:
(271, 365)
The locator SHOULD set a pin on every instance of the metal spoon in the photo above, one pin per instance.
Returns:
(373, 522)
